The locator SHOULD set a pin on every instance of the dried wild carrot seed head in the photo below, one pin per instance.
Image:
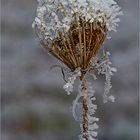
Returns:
(74, 30)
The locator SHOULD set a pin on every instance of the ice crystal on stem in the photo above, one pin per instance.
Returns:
(68, 87)
(91, 125)
(73, 31)
(92, 109)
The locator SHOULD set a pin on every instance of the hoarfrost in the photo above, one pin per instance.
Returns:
(92, 107)
(54, 16)
(103, 66)
(68, 87)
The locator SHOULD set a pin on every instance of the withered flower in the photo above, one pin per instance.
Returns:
(74, 31)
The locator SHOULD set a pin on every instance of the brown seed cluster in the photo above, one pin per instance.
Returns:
(82, 42)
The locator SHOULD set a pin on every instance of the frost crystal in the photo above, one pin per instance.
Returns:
(103, 67)
(108, 71)
(68, 87)
(111, 98)
(58, 15)
(92, 125)
(77, 103)
(92, 109)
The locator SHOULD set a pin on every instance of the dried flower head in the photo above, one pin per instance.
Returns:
(74, 30)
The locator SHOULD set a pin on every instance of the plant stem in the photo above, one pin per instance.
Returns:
(85, 110)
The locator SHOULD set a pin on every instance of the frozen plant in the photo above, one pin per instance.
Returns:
(74, 31)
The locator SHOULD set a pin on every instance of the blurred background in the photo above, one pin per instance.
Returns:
(34, 104)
